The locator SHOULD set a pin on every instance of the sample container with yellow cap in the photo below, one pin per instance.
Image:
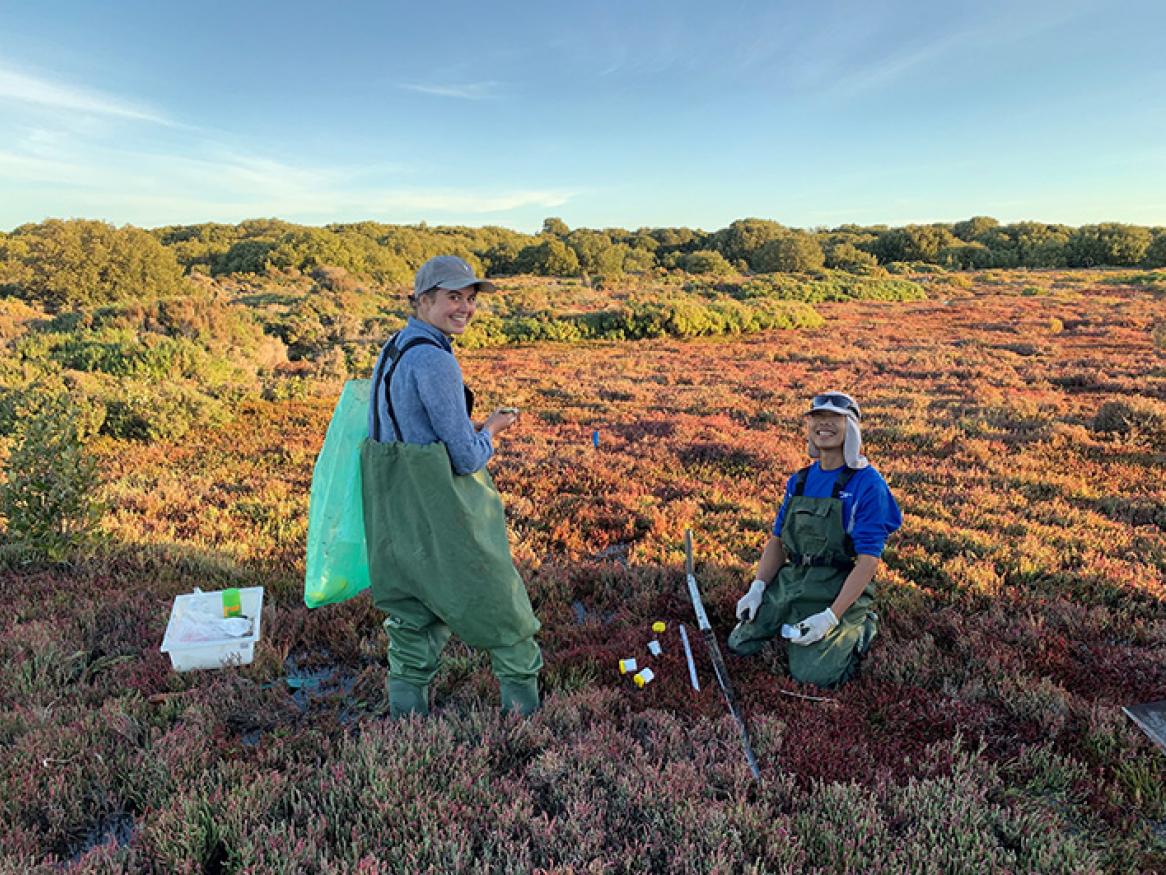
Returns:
(627, 665)
(644, 677)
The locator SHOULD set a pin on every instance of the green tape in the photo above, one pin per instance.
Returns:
(232, 607)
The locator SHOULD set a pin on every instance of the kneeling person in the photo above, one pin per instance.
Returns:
(815, 577)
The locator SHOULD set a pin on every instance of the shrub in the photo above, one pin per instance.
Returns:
(846, 256)
(145, 412)
(334, 279)
(706, 261)
(791, 253)
(831, 286)
(1134, 418)
(48, 497)
(14, 315)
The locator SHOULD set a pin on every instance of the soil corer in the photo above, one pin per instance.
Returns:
(710, 639)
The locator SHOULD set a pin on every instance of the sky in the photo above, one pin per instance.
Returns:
(605, 113)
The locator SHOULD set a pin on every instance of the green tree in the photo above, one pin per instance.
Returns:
(743, 238)
(49, 495)
(246, 256)
(597, 255)
(1110, 243)
(966, 256)
(81, 262)
(555, 227)
(501, 259)
(639, 260)
(972, 229)
(846, 256)
(1038, 244)
(1156, 253)
(791, 253)
(677, 240)
(551, 257)
(912, 243)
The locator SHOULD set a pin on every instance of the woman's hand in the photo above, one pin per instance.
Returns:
(501, 419)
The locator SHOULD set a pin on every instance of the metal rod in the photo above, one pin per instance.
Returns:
(710, 640)
(688, 656)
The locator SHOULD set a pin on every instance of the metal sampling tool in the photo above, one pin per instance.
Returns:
(1151, 719)
(710, 639)
(688, 656)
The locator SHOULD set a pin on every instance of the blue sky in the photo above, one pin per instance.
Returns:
(614, 113)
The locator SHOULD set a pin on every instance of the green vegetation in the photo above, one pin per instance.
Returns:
(48, 494)
(60, 265)
(159, 330)
(77, 263)
(1021, 601)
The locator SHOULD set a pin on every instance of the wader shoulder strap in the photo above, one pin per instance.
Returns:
(839, 485)
(841, 481)
(394, 356)
(800, 480)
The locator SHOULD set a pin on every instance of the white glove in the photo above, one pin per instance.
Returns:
(812, 629)
(748, 604)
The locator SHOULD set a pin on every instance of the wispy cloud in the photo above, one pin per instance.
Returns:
(864, 52)
(28, 89)
(222, 184)
(883, 71)
(153, 208)
(465, 202)
(463, 91)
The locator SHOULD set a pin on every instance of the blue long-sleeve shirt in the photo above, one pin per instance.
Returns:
(869, 511)
(429, 400)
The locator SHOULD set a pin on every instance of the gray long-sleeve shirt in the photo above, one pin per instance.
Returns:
(429, 400)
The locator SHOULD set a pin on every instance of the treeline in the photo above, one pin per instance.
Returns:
(58, 264)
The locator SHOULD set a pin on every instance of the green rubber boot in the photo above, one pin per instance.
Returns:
(520, 696)
(406, 698)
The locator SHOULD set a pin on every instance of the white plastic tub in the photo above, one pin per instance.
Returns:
(218, 653)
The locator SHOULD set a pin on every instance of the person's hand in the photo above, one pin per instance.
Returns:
(812, 629)
(501, 419)
(748, 604)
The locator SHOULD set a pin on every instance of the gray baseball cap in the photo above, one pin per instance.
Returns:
(447, 272)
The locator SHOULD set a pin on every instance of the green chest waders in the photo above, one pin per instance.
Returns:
(440, 538)
(439, 560)
(819, 557)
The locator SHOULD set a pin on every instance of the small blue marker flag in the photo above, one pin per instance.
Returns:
(595, 439)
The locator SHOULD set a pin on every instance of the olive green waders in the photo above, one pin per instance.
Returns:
(819, 557)
(439, 564)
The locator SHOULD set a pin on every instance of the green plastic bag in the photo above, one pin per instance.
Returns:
(337, 562)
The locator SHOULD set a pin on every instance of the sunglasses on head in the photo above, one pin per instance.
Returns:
(835, 399)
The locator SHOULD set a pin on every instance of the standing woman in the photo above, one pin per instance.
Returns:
(439, 559)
